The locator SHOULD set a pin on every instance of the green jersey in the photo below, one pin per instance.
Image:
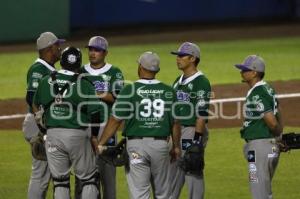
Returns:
(73, 108)
(146, 107)
(106, 79)
(260, 99)
(193, 95)
(35, 73)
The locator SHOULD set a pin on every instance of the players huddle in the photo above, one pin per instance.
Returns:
(82, 108)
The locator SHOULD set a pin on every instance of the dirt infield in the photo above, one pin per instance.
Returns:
(290, 106)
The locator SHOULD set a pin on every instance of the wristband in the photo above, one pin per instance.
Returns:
(198, 136)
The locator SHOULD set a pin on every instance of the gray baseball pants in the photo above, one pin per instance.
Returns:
(149, 161)
(68, 148)
(177, 176)
(107, 173)
(40, 173)
(263, 157)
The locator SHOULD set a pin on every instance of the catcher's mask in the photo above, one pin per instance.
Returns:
(71, 58)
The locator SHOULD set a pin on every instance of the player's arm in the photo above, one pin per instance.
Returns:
(109, 130)
(116, 84)
(274, 124)
(269, 114)
(29, 98)
(106, 97)
(202, 107)
(35, 100)
(95, 122)
(38, 114)
(176, 134)
(200, 124)
(199, 128)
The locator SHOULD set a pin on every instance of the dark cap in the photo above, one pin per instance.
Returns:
(71, 58)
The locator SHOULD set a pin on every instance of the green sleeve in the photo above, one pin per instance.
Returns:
(123, 107)
(34, 77)
(36, 98)
(264, 103)
(116, 82)
(202, 91)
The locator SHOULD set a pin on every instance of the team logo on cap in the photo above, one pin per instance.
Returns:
(71, 59)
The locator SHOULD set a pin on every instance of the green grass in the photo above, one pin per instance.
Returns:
(217, 59)
(225, 172)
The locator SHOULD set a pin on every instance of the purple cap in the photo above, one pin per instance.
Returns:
(252, 62)
(98, 42)
(188, 48)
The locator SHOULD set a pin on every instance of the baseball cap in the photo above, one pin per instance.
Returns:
(188, 48)
(47, 39)
(149, 61)
(252, 62)
(98, 42)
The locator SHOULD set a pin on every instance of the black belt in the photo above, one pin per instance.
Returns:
(188, 126)
(141, 137)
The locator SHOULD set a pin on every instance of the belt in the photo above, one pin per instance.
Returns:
(188, 126)
(272, 140)
(141, 137)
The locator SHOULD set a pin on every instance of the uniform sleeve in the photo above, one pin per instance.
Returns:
(33, 79)
(264, 103)
(203, 92)
(36, 97)
(123, 107)
(116, 83)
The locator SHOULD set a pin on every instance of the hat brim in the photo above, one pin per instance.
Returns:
(179, 53)
(96, 47)
(242, 67)
(60, 41)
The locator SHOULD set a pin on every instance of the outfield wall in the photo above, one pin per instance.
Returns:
(103, 13)
(25, 20)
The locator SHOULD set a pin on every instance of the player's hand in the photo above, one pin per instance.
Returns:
(94, 142)
(101, 149)
(175, 154)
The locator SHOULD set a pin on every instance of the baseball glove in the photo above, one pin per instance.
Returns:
(193, 160)
(116, 155)
(289, 141)
(38, 147)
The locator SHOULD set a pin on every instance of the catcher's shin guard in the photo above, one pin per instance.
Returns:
(80, 183)
(61, 182)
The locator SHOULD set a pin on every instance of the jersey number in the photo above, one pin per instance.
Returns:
(156, 108)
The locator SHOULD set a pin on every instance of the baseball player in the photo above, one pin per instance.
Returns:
(48, 46)
(193, 92)
(261, 126)
(146, 107)
(70, 104)
(108, 81)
